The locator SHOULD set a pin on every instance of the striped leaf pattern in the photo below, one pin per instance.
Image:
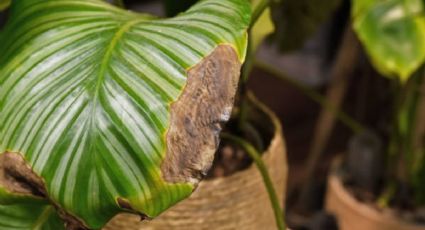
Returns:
(85, 94)
(29, 217)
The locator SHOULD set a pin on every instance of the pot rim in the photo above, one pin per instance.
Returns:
(362, 209)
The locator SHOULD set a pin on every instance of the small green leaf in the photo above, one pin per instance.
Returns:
(86, 90)
(393, 33)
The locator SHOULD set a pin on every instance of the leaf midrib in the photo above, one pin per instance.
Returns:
(42, 218)
(102, 71)
(106, 60)
(108, 54)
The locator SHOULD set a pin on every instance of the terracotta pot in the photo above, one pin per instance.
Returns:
(238, 201)
(354, 215)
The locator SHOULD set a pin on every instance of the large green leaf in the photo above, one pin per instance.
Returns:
(393, 33)
(86, 91)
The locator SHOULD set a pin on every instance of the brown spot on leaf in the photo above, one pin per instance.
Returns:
(197, 116)
(17, 177)
(71, 222)
(124, 203)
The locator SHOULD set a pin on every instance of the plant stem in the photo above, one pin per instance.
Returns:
(409, 121)
(346, 119)
(258, 11)
(418, 137)
(246, 70)
(256, 157)
(247, 67)
(407, 135)
(418, 143)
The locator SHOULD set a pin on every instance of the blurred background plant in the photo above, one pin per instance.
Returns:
(365, 39)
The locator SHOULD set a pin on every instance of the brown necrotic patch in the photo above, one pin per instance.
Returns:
(16, 176)
(197, 116)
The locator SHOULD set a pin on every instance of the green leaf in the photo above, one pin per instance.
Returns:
(393, 33)
(360, 6)
(298, 20)
(262, 28)
(29, 217)
(86, 95)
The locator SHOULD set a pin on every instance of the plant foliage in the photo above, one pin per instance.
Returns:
(85, 95)
(393, 33)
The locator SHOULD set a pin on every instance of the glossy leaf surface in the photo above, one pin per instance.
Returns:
(85, 95)
(393, 33)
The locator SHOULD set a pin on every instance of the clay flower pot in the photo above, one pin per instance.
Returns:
(238, 201)
(354, 215)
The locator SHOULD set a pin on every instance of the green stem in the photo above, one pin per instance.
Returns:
(352, 124)
(248, 65)
(407, 126)
(246, 70)
(258, 11)
(256, 157)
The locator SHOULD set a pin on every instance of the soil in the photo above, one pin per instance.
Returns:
(231, 158)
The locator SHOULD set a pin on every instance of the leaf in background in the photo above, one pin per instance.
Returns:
(30, 217)
(4, 4)
(393, 33)
(262, 28)
(103, 110)
(297, 20)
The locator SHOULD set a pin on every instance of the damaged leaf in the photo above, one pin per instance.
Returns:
(92, 98)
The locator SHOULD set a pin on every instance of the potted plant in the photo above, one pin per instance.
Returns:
(105, 111)
(380, 183)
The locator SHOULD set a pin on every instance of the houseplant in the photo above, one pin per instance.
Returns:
(102, 109)
(393, 34)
